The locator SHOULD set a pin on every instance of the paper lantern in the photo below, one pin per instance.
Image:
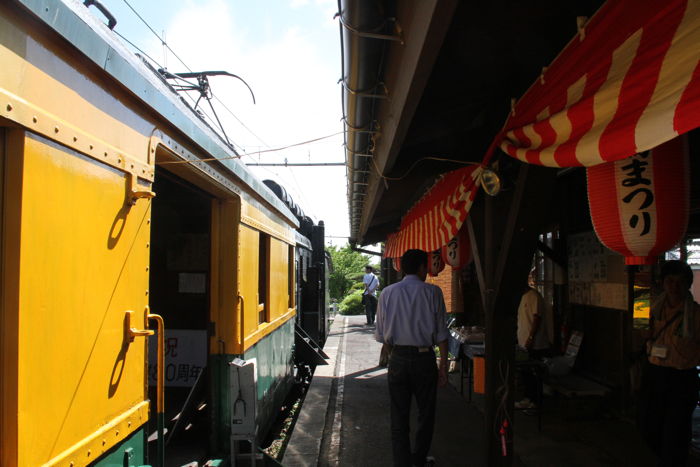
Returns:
(435, 263)
(639, 205)
(458, 252)
(396, 264)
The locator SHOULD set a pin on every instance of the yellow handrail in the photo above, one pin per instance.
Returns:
(241, 315)
(160, 385)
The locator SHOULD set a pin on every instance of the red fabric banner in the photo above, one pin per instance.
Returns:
(628, 82)
(437, 217)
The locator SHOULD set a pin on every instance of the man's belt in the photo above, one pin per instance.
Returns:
(412, 348)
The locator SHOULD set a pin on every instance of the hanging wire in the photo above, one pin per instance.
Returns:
(156, 34)
(201, 111)
(301, 193)
(190, 70)
(141, 51)
(430, 158)
(502, 393)
(208, 159)
(240, 121)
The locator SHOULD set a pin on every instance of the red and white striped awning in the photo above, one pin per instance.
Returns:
(434, 220)
(627, 83)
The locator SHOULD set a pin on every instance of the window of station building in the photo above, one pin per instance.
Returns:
(290, 277)
(545, 268)
(263, 278)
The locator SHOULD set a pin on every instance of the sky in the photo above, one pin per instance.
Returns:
(288, 51)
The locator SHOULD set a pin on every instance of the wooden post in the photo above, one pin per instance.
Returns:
(626, 341)
(503, 231)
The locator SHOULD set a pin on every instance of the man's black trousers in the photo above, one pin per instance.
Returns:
(412, 373)
(370, 302)
(667, 404)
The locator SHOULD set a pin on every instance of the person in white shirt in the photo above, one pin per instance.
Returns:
(535, 335)
(412, 319)
(369, 296)
(535, 329)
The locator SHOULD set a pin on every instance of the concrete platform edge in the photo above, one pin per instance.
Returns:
(304, 446)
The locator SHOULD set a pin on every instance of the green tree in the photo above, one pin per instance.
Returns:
(348, 268)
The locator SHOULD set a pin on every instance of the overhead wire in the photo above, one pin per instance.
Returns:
(201, 110)
(156, 34)
(239, 120)
(301, 193)
(238, 156)
(136, 47)
(432, 158)
(164, 43)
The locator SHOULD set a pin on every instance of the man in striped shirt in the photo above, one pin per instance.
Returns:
(412, 319)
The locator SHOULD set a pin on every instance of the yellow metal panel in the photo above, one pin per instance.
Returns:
(266, 328)
(277, 306)
(279, 280)
(83, 263)
(224, 289)
(93, 446)
(256, 218)
(47, 89)
(248, 247)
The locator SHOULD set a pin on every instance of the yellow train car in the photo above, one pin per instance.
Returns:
(115, 232)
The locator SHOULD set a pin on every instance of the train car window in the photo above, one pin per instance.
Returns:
(263, 278)
(290, 277)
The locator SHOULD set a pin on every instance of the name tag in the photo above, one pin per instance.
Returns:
(659, 351)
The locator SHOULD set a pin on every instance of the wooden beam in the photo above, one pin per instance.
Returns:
(506, 229)
(477, 262)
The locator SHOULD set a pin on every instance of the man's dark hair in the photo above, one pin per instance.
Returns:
(412, 260)
(369, 267)
(676, 267)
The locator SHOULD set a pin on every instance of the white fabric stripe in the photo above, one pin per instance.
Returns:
(605, 101)
(656, 123)
(535, 138)
(560, 123)
(442, 223)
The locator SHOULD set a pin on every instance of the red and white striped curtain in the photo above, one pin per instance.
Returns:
(438, 216)
(627, 83)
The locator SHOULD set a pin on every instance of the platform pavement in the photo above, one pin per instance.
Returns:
(352, 428)
(344, 420)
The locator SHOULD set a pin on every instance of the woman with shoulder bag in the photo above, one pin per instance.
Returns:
(671, 383)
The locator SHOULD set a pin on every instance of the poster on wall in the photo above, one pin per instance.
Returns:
(185, 356)
(596, 274)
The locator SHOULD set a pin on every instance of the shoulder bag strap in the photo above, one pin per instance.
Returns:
(663, 328)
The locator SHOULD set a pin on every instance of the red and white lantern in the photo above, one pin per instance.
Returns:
(639, 205)
(435, 263)
(458, 251)
(396, 264)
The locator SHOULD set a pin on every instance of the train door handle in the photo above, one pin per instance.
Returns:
(135, 191)
(133, 332)
(241, 331)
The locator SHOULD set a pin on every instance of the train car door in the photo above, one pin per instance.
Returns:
(75, 261)
(180, 292)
